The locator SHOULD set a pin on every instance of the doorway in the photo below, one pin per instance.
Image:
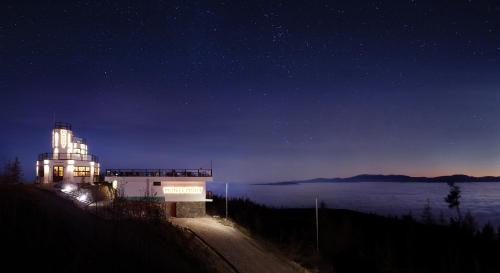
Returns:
(172, 209)
(58, 173)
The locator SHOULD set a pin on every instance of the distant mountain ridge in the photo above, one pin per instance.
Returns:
(391, 178)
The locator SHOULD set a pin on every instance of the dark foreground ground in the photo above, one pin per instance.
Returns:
(358, 242)
(41, 233)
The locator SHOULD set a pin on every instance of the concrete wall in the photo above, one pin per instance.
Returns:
(190, 209)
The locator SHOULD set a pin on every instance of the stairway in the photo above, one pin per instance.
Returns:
(78, 196)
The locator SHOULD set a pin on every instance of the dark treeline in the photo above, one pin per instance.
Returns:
(357, 242)
(11, 172)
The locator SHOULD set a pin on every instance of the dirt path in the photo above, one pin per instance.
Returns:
(240, 250)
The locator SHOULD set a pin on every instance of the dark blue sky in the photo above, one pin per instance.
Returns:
(268, 90)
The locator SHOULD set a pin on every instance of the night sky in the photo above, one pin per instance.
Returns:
(268, 90)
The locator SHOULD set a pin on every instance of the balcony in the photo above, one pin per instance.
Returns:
(160, 172)
(66, 156)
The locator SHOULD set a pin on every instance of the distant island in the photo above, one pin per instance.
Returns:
(391, 178)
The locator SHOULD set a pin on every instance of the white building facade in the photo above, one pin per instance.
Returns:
(183, 190)
(69, 161)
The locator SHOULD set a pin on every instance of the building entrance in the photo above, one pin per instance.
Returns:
(58, 174)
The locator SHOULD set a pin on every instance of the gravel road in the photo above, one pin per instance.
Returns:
(247, 255)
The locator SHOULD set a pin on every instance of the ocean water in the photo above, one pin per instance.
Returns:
(385, 198)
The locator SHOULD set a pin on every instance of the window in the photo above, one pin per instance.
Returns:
(81, 171)
(59, 171)
(156, 183)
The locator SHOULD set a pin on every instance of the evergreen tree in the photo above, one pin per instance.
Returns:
(469, 224)
(427, 217)
(5, 172)
(12, 172)
(17, 173)
(453, 199)
(488, 233)
(2, 176)
(442, 220)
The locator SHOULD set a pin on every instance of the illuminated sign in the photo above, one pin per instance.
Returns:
(183, 190)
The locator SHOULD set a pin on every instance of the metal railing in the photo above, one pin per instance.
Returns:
(66, 156)
(160, 172)
(62, 125)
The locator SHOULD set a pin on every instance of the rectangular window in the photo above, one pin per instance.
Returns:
(81, 171)
(156, 183)
(59, 171)
(40, 171)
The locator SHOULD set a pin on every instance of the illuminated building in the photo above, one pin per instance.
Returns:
(69, 161)
(183, 190)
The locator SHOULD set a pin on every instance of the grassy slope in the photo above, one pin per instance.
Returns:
(358, 242)
(52, 235)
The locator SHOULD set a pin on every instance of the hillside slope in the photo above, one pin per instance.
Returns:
(50, 234)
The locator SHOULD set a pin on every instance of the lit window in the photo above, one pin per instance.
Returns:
(59, 171)
(81, 171)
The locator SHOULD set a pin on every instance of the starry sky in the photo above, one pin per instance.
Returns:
(267, 90)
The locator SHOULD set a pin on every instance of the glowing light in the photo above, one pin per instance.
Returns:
(115, 184)
(56, 139)
(71, 166)
(63, 138)
(82, 197)
(182, 190)
(46, 162)
(68, 188)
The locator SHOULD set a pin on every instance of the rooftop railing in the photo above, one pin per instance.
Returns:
(66, 156)
(160, 172)
(62, 125)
